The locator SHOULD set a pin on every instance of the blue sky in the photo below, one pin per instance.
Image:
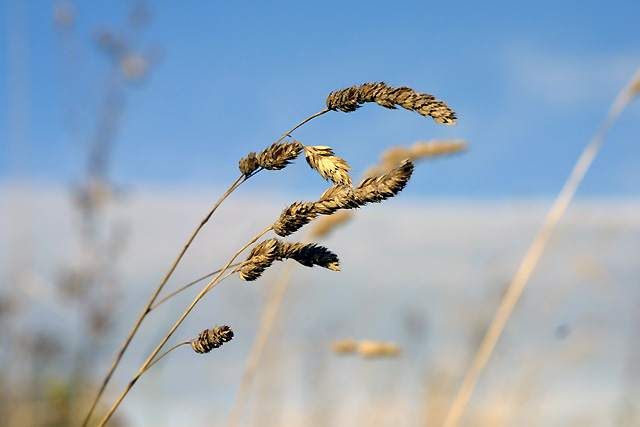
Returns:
(529, 82)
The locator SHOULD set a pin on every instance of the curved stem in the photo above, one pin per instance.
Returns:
(147, 308)
(206, 289)
(301, 123)
(534, 253)
(153, 307)
(164, 354)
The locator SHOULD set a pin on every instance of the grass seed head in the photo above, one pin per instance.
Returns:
(350, 99)
(211, 338)
(331, 167)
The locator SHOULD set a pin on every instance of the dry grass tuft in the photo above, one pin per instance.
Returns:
(264, 254)
(350, 99)
(211, 338)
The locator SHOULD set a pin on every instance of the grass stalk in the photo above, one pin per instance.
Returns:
(206, 289)
(149, 305)
(535, 251)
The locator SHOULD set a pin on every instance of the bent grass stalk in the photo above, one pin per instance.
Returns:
(147, 308)
(206, 289)
(150, 305)
(521, 278)
(372, 190)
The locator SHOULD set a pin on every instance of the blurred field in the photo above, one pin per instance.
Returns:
(425, 275)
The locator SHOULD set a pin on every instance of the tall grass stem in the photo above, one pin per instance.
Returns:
(534, 253)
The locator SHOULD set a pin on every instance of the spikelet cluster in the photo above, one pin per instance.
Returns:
(371, 190)
(350, 99)
(211, 338)
(276, 157)
(366, 348)
(332, 168)
(307, 254)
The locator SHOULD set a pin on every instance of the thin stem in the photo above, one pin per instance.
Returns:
(165, 353)
(532, 257)
(206, 289)
(301, 123)
(147, 308)
(153, 307)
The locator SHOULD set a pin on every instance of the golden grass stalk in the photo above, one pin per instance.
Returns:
(276, 157)
(528, 264)
(248, 168)
(350, 99)
(203, 343)
(153, 298)
(202, 293)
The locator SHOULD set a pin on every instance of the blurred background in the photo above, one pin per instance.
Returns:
(123, 123)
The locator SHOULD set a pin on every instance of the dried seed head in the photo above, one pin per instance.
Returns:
(211, 338)
(388, 185)
(350, 99)
(293, 218)
(366, 348)
(340, 197)
(377, 349)
(259, 259)
(333, 168)
(276, 157)
(344, 346)
(370, 190)
(309, 254)
(249, 164)
(279, 155)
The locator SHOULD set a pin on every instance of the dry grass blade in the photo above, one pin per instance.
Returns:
(350, 99)
(332, 168)
(530, 260)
